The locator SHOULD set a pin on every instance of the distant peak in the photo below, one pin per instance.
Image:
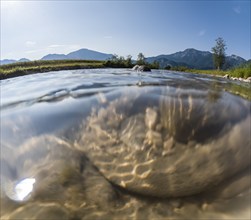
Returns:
(234, 56)
(190, 49)
(83, 49)
(195, 50)
(23, 59)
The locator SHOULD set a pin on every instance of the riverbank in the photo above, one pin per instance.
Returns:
(41, 66)
(24, 68)
(239, 73)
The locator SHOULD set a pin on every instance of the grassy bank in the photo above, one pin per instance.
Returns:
(40, 66)
(239, 72)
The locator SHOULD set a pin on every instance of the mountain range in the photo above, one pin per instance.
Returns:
(82, 54)
(9, 61)
(191, 58)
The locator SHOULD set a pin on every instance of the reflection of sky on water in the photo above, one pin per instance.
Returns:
(22, 189)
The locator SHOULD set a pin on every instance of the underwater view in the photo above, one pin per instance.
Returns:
(123, 144)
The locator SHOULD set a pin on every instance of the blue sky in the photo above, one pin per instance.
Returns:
(33, 29)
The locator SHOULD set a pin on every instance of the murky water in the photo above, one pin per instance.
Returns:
(116, 144)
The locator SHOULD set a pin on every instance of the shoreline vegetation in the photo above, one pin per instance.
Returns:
(40, 66)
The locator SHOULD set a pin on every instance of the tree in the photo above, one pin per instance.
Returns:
(141, 59)
(155, 65)
(129, 61)
(219, 54)
(121, 61)
(168, 67)
(114, 58)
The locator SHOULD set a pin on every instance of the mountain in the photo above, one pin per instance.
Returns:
(88, 55)
(163, 62)
(82, 54)
(233, 60)
(7, 61)
(193, 58)
(55, 57)
(23, 60)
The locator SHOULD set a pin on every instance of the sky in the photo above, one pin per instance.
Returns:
(33, 29)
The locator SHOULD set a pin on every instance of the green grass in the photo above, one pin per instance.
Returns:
(40, 66)
(240, 90)
(242, 71)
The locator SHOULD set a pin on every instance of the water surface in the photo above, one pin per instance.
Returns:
(52, 122)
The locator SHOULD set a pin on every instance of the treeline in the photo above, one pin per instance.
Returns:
(121, 62)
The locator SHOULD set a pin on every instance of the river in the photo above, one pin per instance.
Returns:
(121, 144)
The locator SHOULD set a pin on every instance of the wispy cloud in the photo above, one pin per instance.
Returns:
(56, 45)
(34, 51)
(237, 9)
(30, 43)
(202, 33)
(55, 48)
(64, 46)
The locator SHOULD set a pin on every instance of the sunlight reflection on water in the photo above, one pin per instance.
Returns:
(22, 190)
